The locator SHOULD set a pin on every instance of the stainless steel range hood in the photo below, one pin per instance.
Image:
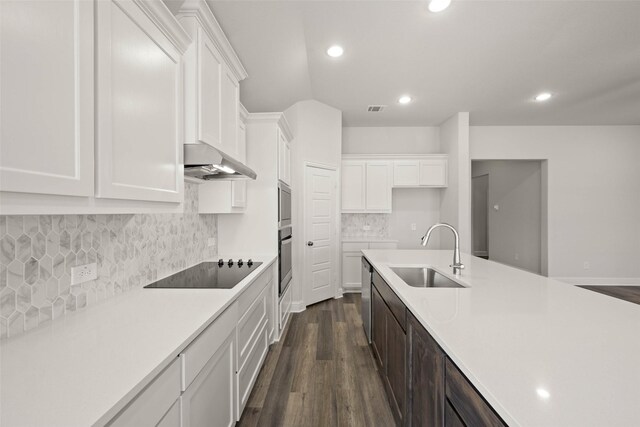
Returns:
(205, 162)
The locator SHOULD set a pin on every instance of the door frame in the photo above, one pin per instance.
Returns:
(336, 274)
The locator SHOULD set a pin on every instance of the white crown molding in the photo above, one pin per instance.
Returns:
(277, 118)
(158, 12)
(417, 156)
(244, 114)
(199, 10)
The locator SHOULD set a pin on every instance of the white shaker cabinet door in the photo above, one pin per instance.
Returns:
(46, 97)
(378, 191)
(209, 401)
(229, 116)
(353, 185)
(139, 117)
(209, 74)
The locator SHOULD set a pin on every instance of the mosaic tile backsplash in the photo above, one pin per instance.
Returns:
(38, 251)
(352, 225)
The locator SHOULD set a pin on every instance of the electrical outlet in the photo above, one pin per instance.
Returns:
(84, 273)
(211, 242)
(366, 227)
(586, 265)
(517, 256)
(414, 226)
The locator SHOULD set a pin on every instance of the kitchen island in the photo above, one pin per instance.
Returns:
(539, 351)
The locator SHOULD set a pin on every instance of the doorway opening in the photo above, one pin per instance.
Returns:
(509, 212)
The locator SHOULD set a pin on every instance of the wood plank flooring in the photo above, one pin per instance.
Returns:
(321, 373)
(627, 293)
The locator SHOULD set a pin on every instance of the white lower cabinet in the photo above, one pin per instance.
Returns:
(352, 265)
(173, 418)
(209, 383)
(154, 405)
(209, 401)
(285, 309)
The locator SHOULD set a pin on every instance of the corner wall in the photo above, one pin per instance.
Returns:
(455, 201)
(317, 130)
(593, 194)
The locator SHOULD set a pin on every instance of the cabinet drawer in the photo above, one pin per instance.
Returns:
(248, 374)
(467, 402)
(253, 290)
(383, 245)
(196, 356)
(250, 324)
(151, 405)
(391, 299)
(354, 246)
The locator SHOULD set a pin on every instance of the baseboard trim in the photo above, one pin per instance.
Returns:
(600, 281)
(298, 306)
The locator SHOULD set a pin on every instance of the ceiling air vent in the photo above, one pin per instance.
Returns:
(375, 108)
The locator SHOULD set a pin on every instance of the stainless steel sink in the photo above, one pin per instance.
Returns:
(420, 277)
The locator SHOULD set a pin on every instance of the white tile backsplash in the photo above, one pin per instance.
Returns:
(379, 225)
(37, 253)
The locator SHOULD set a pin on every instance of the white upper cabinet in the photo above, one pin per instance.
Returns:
(424, 171)
(140, 135)
(406, 173)
(212, 75)
(368, 180)
(46, 97)
(378, 186)
(284, 159)
(204, 68)
(433, 172)
(353, 185)
(366, 186)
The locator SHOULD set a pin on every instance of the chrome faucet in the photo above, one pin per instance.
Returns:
(457, 264)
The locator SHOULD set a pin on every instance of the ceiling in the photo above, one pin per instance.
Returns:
(486, 57)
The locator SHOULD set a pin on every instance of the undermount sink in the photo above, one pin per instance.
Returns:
(420, 277)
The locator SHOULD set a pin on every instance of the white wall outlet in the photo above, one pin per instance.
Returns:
(84, 273)
(517, 257)
(586, 265)
(211, 241)
(414, 227)
(366, 227)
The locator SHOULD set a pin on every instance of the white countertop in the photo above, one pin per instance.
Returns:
(368, 239)
(518, 336)
(82, 369)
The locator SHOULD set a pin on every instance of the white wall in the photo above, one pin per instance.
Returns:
(390, 140)
(455, 202)
(414, 206)
(593, 192)
(317, 130)
(515, 229)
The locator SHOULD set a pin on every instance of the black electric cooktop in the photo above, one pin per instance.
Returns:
(208, 275)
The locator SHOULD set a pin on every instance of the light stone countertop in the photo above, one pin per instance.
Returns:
(368, 239)
(541, 352)
(84, 368)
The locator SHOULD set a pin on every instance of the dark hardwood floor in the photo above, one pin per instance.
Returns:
(627, 293)
(321, 373)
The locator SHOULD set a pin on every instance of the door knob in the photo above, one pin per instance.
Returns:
(309, 243)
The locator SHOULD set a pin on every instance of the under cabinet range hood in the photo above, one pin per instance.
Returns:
(205, 162)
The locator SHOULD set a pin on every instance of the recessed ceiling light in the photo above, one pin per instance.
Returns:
(544, 96)
(544, 394)
(404, 99)
(335, 51)
(438, 5)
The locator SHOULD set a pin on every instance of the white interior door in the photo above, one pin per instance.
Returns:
(320, 231)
